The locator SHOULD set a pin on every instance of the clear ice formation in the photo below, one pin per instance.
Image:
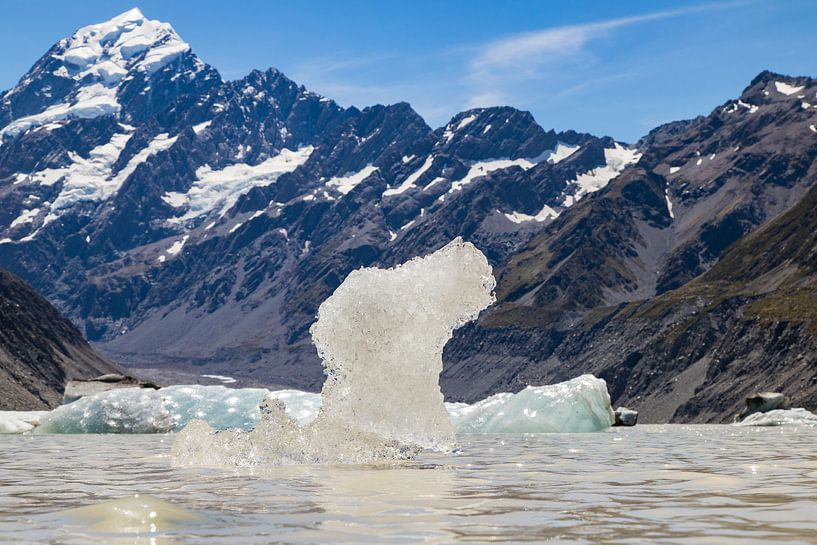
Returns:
(381, 337)
(578, 405)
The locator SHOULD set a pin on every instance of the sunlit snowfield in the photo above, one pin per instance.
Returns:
(648, 484)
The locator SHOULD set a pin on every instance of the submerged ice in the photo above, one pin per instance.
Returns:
(381, 337)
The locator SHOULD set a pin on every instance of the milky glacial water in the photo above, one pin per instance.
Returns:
(648, 484)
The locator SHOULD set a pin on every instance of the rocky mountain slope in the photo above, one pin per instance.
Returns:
(181, 219)
(186, 221)
(613, 287)
(39, 350)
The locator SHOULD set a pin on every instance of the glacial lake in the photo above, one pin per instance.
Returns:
(648, 484)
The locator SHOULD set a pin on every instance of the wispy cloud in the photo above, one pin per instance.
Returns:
(523, 56)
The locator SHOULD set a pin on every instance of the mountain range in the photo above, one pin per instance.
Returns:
(188, 222)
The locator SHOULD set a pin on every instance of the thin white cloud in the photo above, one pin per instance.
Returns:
(521, 55)
(486, 99)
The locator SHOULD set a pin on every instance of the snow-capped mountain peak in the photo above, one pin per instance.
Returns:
(109, 50)
(84, 75)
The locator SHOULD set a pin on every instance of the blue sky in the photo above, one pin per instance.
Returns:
(606, 67)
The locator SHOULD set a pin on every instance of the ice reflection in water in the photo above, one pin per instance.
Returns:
(649, 484)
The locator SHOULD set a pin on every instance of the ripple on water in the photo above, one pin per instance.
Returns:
(648, 484)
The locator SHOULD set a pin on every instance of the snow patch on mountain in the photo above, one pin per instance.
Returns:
(483, 168)
(346, 183)
(786, 89)
(111, 49)
(177, 246)
(201, 127)
(544, 214)
(561, 152)
(160, 143)
(220, 189)
(735, 106)
(26, 216)
(616, 158)
(84, 179)
(92, 179)
(451, 130)
(90, 101)
(464, 122)
(411, 179)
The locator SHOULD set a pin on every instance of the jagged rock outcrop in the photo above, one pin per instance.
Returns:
(39, 350)
(615, 285)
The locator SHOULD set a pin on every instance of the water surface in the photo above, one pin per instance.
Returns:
(649, 484)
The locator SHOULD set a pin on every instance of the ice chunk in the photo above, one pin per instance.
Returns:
(141, 410)
(132, 410)
(19, 421)
(127, 410)
(381, 337)
(781, 417)
(578, 405)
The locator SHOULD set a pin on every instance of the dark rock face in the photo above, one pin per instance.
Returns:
(664, 306)
(764, 402)
(39, 350)
(80, 387)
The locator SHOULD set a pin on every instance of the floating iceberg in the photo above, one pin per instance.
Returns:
(578, 405)
(780, 417)
(141, 410)
(381, 337)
